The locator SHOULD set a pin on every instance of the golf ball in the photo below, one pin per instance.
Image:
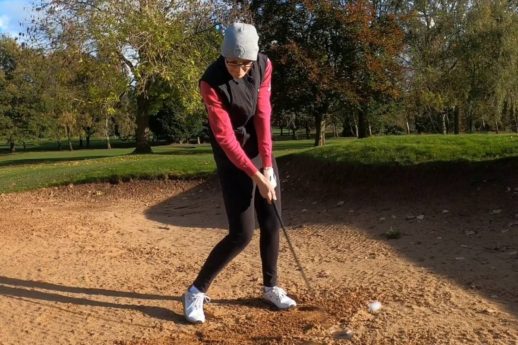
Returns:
(374, 306)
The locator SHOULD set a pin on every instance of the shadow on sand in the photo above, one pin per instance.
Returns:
(33, 290)
(468, 235)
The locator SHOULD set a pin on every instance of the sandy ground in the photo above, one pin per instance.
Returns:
(106, 264)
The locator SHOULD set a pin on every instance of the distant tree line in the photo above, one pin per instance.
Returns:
(129, 69)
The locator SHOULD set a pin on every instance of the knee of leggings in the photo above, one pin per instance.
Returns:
(242, 239)
(270, 225)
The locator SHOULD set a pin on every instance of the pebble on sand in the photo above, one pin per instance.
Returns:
(345, 334)
(374, 307)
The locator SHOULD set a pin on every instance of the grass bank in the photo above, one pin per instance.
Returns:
(379, 163)
(37, 169)
(416, 149)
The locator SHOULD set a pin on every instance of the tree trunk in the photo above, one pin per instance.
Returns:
(308, 130)
(198, 140)
(24, 146)
(142, 121)
(80, 141)
(88, 136)
(294, 133)
(107, 131)
(318, 128)
(456, 120)
(363, 123)
(282, 130)
(12, 147)
(515, 119)
(407, 126)
(69, 139)
(344, 127)
(320, 125)
(443, 123)
(497, 129)
(323, 132)
(355, 130)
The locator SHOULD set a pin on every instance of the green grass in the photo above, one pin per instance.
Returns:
(416, 149)
(36, 169)
(52, 145)
(30, 170)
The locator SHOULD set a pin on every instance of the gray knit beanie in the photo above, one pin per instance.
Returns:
(241, 41)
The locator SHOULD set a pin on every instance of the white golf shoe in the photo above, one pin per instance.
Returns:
(193, 306)
(278, 297)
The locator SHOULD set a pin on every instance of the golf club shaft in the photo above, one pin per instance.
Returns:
(291, 247)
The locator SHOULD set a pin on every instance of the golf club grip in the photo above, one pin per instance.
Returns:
(291, 246)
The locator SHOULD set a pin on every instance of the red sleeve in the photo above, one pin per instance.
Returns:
(262, 117)
(221, 126)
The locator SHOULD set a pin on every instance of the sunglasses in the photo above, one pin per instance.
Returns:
(242, 64)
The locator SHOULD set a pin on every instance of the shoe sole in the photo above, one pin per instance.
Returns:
(273, 304)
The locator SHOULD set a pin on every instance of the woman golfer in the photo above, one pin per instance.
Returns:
(236, 92)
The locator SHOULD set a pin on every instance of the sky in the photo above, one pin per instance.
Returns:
(12, 12)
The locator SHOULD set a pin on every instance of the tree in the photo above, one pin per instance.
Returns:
(489, 63)
(462, 61)
(104, 83)
(61, 97)
(328, 53)
(433, 32)
(172, 127)
(154, 39)
(20, 90)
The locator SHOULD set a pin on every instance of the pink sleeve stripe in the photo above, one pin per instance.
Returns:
(262, 117)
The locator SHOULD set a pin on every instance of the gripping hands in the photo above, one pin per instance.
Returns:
(266, 182)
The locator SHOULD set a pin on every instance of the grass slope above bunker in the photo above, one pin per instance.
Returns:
(410, 161)
(375, 160)
(415, 150)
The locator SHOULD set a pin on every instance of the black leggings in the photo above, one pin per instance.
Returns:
(241, 197)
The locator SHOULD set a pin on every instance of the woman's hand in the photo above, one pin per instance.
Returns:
(266, 189)
(270, 176)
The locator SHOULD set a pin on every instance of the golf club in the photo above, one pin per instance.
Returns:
(291, 247)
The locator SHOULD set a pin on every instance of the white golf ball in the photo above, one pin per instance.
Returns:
(374, 306)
